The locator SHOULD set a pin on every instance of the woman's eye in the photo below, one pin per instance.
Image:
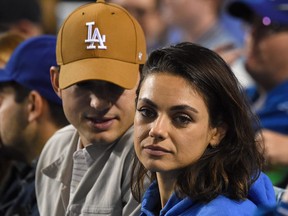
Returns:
(148, 113)
(182, 119)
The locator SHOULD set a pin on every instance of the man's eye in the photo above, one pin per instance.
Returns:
(85, 85)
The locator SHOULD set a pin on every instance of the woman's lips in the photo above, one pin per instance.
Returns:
(155, 150)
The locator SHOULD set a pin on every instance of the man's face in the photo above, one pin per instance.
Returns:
(13, 119)
(267, 53)
(100, 111)
(185, 13)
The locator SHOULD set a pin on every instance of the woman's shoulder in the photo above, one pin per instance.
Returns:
(224, 206)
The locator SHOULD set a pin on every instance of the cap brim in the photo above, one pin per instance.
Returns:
(118, 72)
(4, 77)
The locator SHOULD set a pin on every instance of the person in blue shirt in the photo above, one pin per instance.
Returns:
(266, 61)
(194, 138)
(30, 113)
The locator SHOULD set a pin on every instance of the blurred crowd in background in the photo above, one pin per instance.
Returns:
(164, 22)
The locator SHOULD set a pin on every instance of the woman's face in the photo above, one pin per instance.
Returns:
(171, 124)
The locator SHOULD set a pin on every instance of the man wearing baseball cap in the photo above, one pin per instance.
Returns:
(267, 63)
(30, 113)
(85, 167)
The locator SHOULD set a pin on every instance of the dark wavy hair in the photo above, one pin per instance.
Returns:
(234, 165)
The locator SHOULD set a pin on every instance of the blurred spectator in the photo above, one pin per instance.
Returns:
(267, 63)
(201, 22)
(235, 26)
(21, 16)
(149, 15)
(276, 147)
(49, 18)
(30, 113)
(65, 7)
(8, 42)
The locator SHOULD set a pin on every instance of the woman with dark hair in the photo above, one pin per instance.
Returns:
(195, 138)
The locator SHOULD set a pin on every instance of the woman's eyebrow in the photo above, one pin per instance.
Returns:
(174, 108)
(184, 107)
(148, 101)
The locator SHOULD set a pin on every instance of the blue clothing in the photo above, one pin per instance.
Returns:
(273, 114)
(260, 194)
(235, 27)
(279, 210)
(217, 36)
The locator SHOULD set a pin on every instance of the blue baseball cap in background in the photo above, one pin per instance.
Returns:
(30, 63)
(271, 11)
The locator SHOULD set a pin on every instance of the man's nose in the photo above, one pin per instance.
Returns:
(99, 103)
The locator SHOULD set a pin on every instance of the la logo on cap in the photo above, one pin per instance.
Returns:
(96, 37)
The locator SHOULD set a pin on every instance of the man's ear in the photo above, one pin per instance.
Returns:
(54, 76)
(35, 105)
(218, 133)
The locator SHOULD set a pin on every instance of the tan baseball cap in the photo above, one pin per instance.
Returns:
(100, 41)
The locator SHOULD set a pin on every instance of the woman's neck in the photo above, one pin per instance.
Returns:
(166, 183)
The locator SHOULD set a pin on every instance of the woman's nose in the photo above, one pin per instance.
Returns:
(159, 129)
